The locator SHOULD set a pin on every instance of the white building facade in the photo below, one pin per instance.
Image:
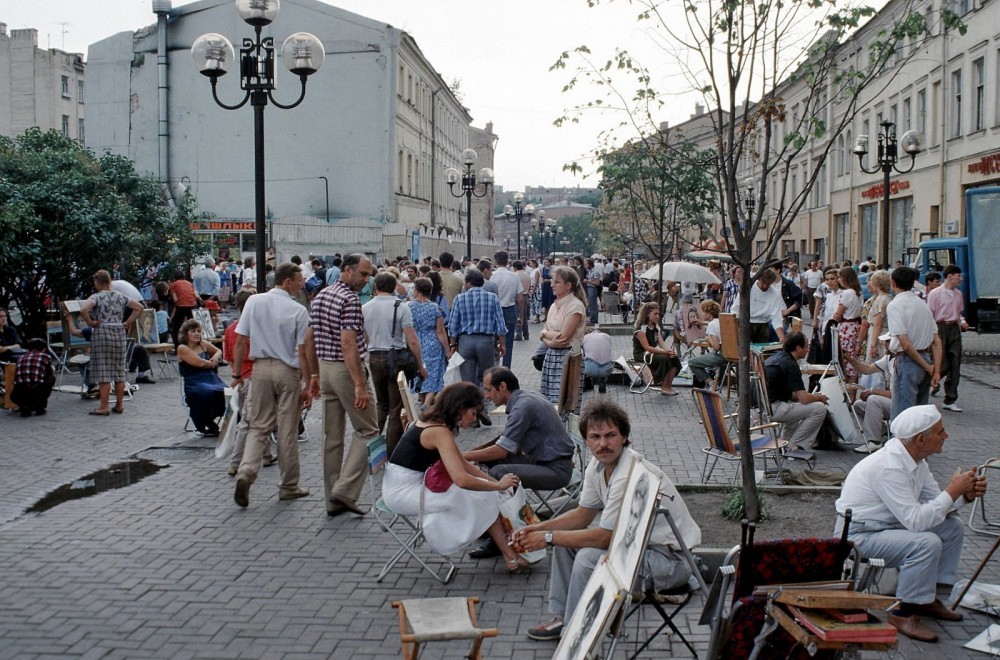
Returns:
(366, 149)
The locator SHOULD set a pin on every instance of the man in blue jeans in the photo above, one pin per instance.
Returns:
(913, 341)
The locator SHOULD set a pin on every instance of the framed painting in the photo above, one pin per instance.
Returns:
(599, 602)
(635, 521)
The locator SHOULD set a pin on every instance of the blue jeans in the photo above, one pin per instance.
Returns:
(911, 386)
(593, 305)
(510, 319)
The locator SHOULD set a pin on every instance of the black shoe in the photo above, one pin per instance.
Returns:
(145, 380)
(486, 550)
(484, 419)
(602, 388)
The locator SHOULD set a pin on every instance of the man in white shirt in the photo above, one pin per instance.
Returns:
(511, 294)
(901, 515)
(914, 342)
(766, 305)
(274, 326)
(813, 277)
(579, 543)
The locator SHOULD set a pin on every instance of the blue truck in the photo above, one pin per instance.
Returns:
(974, 253)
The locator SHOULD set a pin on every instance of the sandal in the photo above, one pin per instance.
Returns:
(100, 413)
(518, 566)
(118, 410)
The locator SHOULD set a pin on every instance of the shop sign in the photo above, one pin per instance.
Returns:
(875, 192)
(986, 165)
(223, 225)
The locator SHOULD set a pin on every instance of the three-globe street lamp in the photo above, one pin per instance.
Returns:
(469, 189)
(301, 53)
(886, 157)
(519, 211)
(546, 229)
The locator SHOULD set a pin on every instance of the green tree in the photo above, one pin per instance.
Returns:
(66, 213)
(746, 59)
(655, 190)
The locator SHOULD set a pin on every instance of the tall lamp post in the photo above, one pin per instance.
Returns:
(469, 189)
(326, 187)
(301, 53)
(886, 157)
(517, 213)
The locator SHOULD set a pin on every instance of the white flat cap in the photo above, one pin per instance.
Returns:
(915, 420)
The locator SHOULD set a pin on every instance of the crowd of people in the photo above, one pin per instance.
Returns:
(341, 333)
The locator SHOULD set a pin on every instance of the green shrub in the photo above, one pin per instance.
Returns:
(734, 508)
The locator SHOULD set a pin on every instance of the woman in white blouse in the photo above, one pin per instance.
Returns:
(848, 317)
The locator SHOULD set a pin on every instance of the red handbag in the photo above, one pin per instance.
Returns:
(437, 478)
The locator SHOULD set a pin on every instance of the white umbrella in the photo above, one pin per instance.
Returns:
(681, 271)
(598, 256)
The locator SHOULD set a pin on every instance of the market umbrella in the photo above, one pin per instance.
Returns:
(681, 271)
(708, 255)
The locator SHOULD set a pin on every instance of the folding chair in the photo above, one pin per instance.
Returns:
(991, 527)
(638, 374)
(440, 619)
(411, 534)
(772, 562)
(556, 501)
(758, 383)
(410, 404)
(612, 305)
(721, 445)
(660, 600)
(729, 331)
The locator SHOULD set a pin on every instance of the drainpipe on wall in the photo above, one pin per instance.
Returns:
(942, 156)
(434, 156)
(162, 10)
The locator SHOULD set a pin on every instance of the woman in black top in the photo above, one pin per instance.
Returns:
(648, 346)
(471, 505)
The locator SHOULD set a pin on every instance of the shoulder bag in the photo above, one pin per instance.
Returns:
(401, 359)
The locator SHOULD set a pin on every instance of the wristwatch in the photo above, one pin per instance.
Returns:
(548, 538)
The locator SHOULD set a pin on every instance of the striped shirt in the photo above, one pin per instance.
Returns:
(334, 309)
(476, 312)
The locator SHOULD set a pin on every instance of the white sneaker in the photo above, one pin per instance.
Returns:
(951, 406)
(868, 448)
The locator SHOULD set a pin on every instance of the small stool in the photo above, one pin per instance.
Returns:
(439, 619)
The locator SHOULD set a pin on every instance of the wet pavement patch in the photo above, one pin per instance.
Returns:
(175, 453)
(114, 476)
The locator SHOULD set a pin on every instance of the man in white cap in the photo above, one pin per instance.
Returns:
(901, 515)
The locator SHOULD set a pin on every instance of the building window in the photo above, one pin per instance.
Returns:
(936, 108)
(849, 156)
(65, 87)
(979, 80)
(841, 155)
(922, 111)
(399, 171)
(901, 227)
(956, 103)
(907, 115)
(867, 133)
(79, 91)
(65, 125)
(869, 230)
(841, 222)
(80, 133)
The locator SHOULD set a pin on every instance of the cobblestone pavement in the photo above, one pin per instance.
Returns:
(171, 567)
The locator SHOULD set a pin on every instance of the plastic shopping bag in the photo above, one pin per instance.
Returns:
(515, 513)
(229, 424)
(452, 374)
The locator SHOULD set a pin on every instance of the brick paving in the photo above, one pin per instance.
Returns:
(171, 567)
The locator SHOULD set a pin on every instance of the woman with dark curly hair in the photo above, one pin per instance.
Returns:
(648, 346)
(204, 391)
(471, 504)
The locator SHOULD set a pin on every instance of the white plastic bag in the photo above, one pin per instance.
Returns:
(517, 513)
(225, 448)
(453, 374)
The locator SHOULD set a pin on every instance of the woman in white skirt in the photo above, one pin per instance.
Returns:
(452, 519)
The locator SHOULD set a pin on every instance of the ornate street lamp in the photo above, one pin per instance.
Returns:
(886, 158)
(749, 198)
(469, 189)
(519, 211)
(301, 53)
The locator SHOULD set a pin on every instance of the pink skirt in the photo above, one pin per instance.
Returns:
(848, 331)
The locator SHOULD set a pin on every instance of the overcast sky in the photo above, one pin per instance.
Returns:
(500, 52)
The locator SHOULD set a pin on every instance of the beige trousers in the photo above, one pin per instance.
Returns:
(344, 477)
(274, 404)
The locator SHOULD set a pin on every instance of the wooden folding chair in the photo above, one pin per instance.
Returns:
(440, 619)
(720, 444)
(729, 337)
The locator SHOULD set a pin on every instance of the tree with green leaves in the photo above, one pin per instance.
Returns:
(66, 213)
(781, 79)
(655, 190)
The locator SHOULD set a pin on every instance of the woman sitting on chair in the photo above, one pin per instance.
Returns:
(204, 391)
(648, 346)
(458, 516)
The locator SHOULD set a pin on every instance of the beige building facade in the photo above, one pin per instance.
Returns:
(38, 87)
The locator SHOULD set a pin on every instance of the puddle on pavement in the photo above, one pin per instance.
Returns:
(178, 453)
(114, 476)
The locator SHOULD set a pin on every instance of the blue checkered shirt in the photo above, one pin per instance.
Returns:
(476, 312)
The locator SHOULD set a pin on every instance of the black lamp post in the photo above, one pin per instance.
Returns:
(302, 54)
(749, 199)
(469, 189)
(519, 211)
(326, 188)
(546, 229)
(886, 156)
